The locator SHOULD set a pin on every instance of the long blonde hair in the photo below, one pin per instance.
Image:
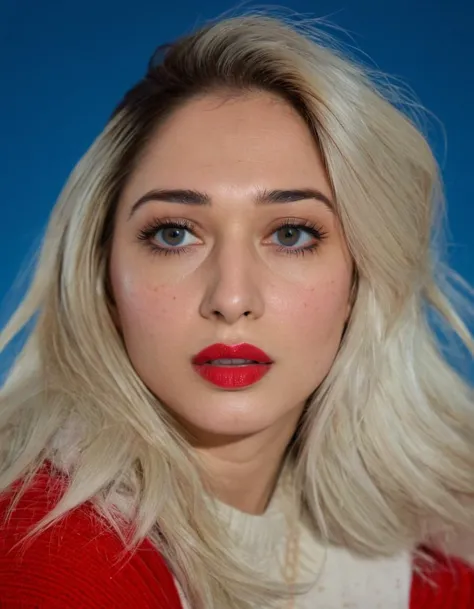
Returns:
(383, 456)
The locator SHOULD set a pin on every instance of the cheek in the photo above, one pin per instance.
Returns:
(325, 303)
(315, 315)
(145, 309)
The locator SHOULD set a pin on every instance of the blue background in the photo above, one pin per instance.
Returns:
(64, 65)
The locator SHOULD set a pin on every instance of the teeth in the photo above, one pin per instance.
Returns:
(231, 362)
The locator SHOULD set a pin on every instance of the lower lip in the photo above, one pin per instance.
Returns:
(232, 377)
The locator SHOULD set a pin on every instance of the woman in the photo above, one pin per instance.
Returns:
(231, 396)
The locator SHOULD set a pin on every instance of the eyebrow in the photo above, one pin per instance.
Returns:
(194, 197)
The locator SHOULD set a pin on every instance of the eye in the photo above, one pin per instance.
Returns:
(174, 236)
(297, 237)
(293, 237)
(168, 236)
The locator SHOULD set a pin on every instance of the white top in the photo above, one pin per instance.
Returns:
(343, 581)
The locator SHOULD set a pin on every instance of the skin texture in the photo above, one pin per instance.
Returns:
(237, 281)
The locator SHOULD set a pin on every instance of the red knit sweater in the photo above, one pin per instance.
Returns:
(80, 564)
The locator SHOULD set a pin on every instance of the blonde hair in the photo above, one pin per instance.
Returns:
(383, 456)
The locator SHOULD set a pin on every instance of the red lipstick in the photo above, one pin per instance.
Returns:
(232, 366)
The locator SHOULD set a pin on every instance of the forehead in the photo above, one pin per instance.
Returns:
(241, 140)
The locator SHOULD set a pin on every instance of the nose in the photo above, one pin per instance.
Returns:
(233, 289)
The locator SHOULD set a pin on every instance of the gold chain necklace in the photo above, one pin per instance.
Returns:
(290, 568)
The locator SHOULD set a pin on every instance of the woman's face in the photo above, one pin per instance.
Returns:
(225, 234)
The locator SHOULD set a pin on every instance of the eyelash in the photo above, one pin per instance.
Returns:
(147, 233)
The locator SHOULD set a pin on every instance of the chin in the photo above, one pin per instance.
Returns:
(224, 425)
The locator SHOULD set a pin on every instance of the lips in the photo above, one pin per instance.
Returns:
(243, 351)
(232, 367)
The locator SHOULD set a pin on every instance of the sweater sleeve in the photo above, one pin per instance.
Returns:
(448, 583)
(76, 563)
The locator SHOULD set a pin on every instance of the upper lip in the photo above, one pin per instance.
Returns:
(240, 351)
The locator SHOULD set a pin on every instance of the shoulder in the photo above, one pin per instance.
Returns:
(443, 583)
(77, 562)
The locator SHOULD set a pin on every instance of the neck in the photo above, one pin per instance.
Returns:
(243, 472)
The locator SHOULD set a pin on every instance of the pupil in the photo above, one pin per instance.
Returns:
(288, 235)
(173, 236)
